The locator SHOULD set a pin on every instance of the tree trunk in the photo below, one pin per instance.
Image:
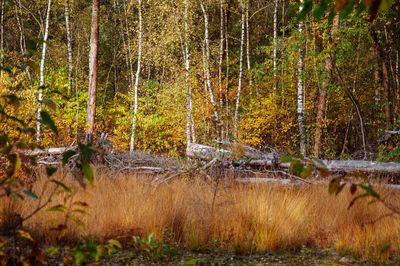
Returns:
(248, 45)
(236, 121)
(139, 65)
(322, 105)
(189, 115)
(300, 95)
(226, 74)
(69, 47)
(42, 66)
(207, 64)
(275, 43)
(384, 80)
(2, 52)
(221, 52)
(93, 69)
(20, 24)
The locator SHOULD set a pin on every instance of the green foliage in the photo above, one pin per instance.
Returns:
(155, 250)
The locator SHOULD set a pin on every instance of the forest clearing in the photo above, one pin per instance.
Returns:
(200, 132)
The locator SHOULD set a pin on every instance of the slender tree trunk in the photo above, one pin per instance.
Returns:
(300, 95)
(397, 79)
(221, 59)
(42, 66)
(2, 52)
(139, 65)
(221, 52)
(248, 45)
(93, 69)
(275, 43)
(236, 121)
(18, 14)
(189, 118)
(384, 80)
(322, 98)
(227, 73)
(207, 63)
(129, 51)
(69, 47)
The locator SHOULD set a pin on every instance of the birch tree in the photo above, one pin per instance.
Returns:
(236, 121)
(136, 86)
(20, 23)
(300, 93)
(93, 69)
(69, 47)
(189, 117)
(2, 38)
(207, 63)
(275, 44)
(41, 78)
(248, 43)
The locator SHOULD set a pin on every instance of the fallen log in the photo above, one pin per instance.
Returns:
(272, 160)
(50, 151)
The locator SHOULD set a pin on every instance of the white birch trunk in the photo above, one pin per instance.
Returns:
(136, 87)
(275, 42)
(236, 121)
(248, 45)
(2, 39)
(41, 78)
(226, 74)
(189, 119)
(18, 12)
(221, 52)
(300, 94)
(207, 63)
(69, 47)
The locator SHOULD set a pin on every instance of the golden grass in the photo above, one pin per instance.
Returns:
(246, 218)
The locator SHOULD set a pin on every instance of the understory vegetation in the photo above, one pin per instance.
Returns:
(194, 214)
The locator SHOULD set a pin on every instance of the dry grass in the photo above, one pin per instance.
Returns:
(246, 218)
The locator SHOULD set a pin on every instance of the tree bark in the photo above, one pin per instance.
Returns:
(189, 118)
(385, 79)
(274, 55)
(207, 63)
(248, 45)
(2, 52)
(236, 121)
(139, 65)
(69, 47)
(42, 67)
(93, 69)
(18, 13)
(300, 94)
(322, 105)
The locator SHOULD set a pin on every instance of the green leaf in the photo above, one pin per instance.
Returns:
(334, 186)
(286, 159)
(296, 168)
(87, 172)
(30, 194)
(67, 155)
(86, 151)
(50, 170)
(307, 171)
(46, 120)
(57, 208)
(62, 185)
(319, 10)
(369, 190)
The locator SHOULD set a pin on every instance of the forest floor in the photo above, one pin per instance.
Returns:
(304, 256)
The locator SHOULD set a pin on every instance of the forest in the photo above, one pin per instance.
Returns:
(199, 132)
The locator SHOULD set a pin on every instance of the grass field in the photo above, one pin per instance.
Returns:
(194, 214)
